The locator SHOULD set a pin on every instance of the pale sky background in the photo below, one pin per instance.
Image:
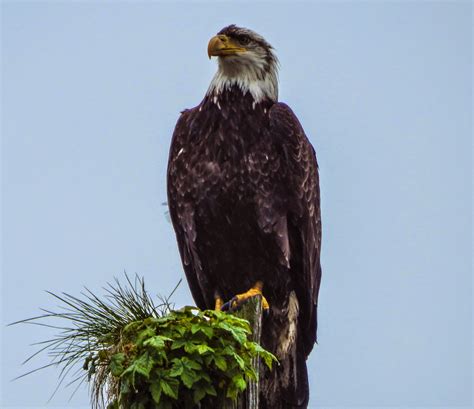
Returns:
(91, 93)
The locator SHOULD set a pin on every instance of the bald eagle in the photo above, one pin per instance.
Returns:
(243, 194)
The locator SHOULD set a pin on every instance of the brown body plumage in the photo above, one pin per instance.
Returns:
(243, 193)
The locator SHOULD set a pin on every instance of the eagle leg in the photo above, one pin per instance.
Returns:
(237, 301)
(219, 303)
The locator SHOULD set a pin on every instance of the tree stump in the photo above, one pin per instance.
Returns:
(252, 312)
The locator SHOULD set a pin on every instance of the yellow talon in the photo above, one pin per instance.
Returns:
(239, 299)
(219, 303)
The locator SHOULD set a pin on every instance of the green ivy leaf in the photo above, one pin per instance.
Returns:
(190, 347)
(170, 387)
(239, 382)
(205, 376)
(198, 394)
(208, 331)
(268, 357)
(177, 368)
(155, 390)
(202, 327)
(191, 363)
(157, 341)
(142, 365)
(203, 349)
(178, 343)
(116, 364)
(220, 362)
(238, 333)
(190, 310)
(239, 360)
(196, 327)
(209, 388)
(184, 369)
(144, 334)
(250, 373)
(232, 392)
(182, 328)
(189, 378)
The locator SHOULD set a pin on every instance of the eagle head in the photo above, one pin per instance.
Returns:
(245, 59)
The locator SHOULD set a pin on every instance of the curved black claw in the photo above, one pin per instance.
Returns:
(237, 302)
(231, 305)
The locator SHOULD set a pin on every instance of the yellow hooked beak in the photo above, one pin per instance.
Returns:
(221, 45)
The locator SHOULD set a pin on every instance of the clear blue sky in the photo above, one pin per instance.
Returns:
(91, 93)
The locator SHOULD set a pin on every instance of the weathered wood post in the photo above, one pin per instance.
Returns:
(252, 312)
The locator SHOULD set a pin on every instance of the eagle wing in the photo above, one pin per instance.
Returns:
(300, 169)
(181, 213)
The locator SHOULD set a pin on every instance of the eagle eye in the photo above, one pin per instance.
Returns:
(244, 40)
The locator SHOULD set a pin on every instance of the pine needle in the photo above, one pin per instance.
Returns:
(89, 331)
